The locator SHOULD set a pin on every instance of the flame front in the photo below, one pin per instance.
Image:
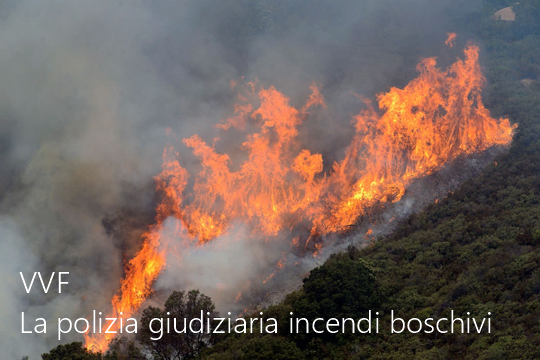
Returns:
(280, 184)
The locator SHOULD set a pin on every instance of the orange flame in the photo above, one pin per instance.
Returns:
(437, 117)
(450, 41)
(144, 268)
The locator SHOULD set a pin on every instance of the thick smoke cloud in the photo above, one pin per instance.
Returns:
(88, 89)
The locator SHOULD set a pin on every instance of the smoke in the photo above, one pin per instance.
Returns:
(88, 89)
(223, 268)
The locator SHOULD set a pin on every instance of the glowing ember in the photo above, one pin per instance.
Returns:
(437, 117)
(451, 40)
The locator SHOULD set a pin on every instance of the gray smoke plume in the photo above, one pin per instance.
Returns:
(88, 89)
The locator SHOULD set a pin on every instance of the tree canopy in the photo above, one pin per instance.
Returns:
(181, 307)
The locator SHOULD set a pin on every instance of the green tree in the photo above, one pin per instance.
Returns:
(271, 347)
(344, 287)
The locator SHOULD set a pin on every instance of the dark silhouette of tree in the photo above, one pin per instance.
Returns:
(71, 351)
(123, 349)
(180, 308)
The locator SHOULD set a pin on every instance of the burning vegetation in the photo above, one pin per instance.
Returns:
(278, 186)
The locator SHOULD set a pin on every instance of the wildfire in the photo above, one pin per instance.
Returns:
(435, 118)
